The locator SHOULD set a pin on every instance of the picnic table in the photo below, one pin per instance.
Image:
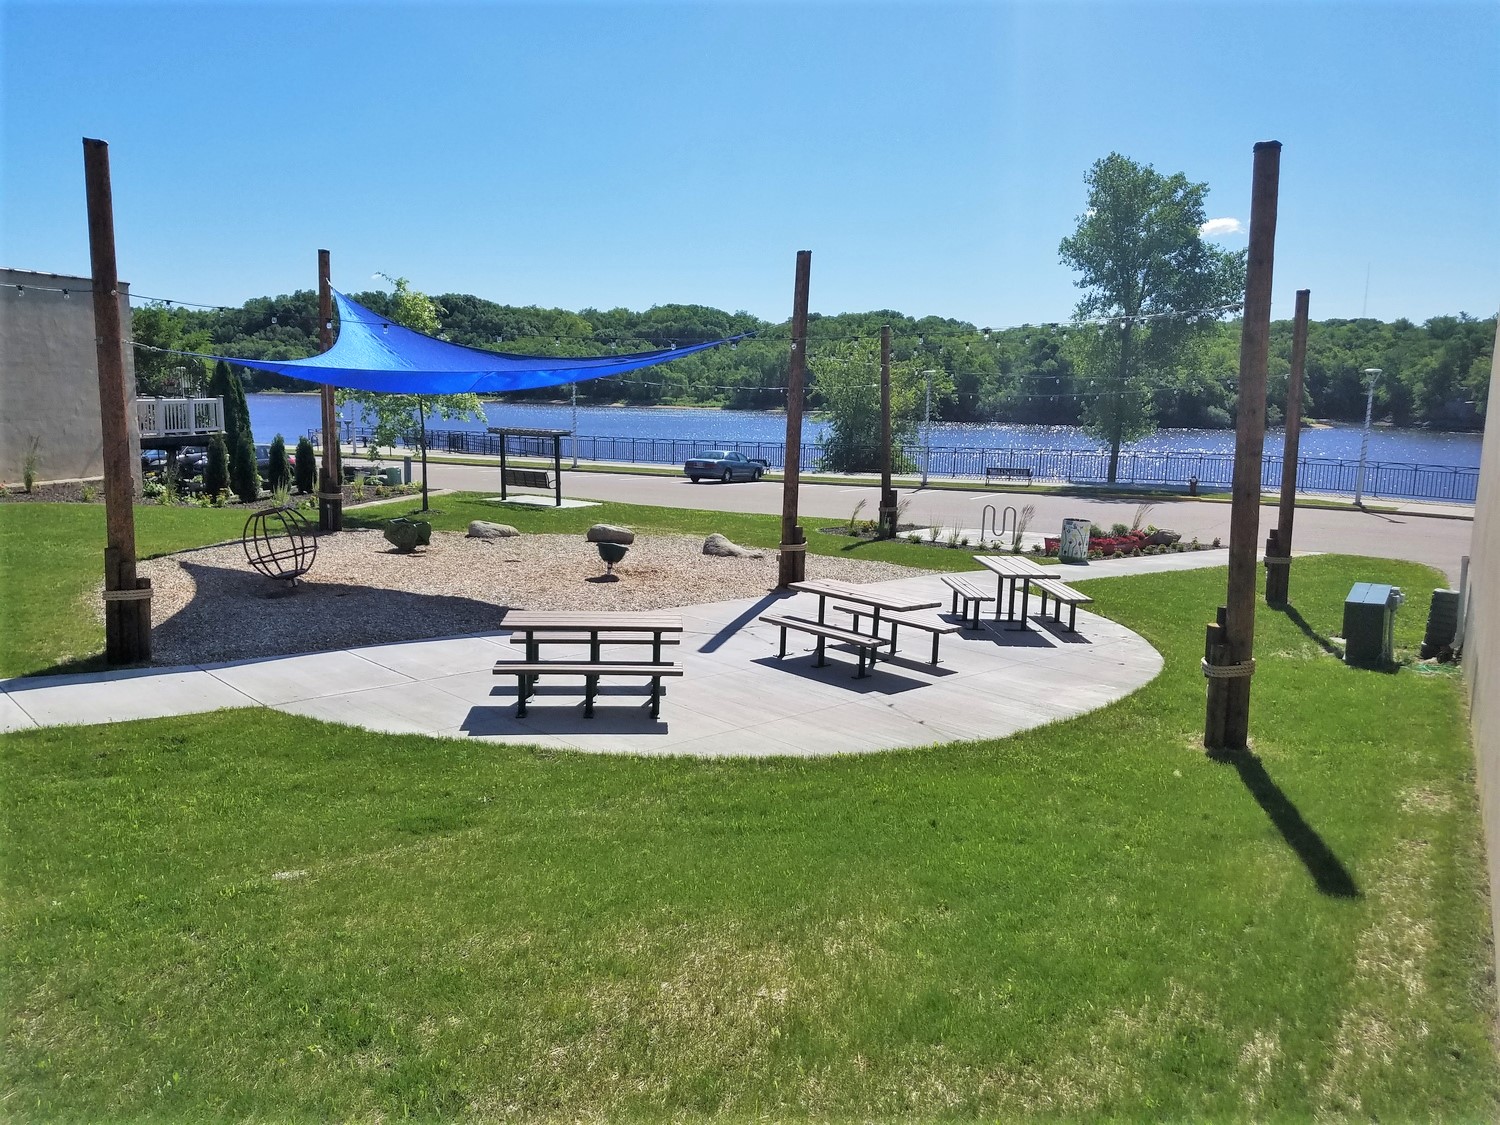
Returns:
(849, 593)
(533, 629)
(1013, 569)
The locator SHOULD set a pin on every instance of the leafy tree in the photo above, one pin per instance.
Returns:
(399, 417)
(1139, 255)
(846, 379)
(306, 466)
(279, 472)
(244, 476)
(216, 468)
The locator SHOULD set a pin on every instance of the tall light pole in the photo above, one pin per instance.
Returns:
(575, 425)
(1364, 440)
(927, 430)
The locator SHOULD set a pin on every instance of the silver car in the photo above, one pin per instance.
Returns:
(723, 464)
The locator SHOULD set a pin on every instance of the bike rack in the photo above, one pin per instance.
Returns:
(1008, 518)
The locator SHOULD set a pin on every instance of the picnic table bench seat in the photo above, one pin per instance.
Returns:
(866, 645)
(937, 627)
(971, 593)
(527, 672)
(1061, 594)
(585, 638)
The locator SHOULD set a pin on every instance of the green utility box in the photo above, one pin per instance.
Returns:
(1370, 624)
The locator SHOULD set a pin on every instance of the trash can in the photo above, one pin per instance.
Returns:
(1073, 544)
(391, 476)
(1370, 624)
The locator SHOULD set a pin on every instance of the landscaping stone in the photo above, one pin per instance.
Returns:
(1163, 538)
(484, 529)
(408, 535)
(608, 533)
(716, 544)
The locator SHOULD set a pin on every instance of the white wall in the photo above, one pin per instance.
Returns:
(49, 377)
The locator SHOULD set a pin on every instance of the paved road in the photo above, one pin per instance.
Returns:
(1395, 535)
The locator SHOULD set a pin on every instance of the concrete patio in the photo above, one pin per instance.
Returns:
(736, 697)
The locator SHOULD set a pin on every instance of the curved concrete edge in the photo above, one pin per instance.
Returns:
(736, 699)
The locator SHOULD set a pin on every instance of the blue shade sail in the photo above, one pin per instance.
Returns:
(373, 353)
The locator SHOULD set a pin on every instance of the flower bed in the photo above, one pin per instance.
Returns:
(1130, 544)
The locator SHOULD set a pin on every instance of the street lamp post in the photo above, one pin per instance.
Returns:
(927, 430)
(575, 425)
(1364, 440)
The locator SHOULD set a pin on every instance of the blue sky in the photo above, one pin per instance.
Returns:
(930, 155)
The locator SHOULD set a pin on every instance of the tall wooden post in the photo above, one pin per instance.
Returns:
(793, 560)
(330, 480)
(887, 493)
(1279, 542)
(1229, 657)
(127, 598)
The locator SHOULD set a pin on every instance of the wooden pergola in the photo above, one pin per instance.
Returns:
(556, 435)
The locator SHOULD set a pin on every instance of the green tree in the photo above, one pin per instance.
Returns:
(1148, 278)
(397, 418)
(306, 465)
(846, 381)
(279, 471)
(216, 468)
(244, 476)
(239, 440)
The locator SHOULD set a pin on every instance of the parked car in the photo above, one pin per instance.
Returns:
(263, 460)
(723, 464)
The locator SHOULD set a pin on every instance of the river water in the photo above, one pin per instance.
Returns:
(294, 415)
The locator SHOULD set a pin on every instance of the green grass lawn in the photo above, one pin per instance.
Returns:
(248, 915)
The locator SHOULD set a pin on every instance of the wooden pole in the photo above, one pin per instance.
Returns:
(793, 560)
(887, 493)
(127, 597)
(1230, 729)
(330, 483)
(1279, 544)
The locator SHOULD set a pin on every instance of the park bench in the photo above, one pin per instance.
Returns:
(1061, 594)
(596, 630)
(971, 593)
(527, 672)
(896, 620)
(993, 473)
(866, 645)
(528, 478)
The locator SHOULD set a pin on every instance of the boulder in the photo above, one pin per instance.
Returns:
(716, 544)
(407, 535)
(483, 529)
(1163, 538)
(608, 533)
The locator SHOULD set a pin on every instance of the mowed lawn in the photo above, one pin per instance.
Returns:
(248, 915)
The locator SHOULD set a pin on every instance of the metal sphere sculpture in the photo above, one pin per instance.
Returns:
(279, 543)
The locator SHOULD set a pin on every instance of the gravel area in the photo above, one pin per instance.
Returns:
(210, 605)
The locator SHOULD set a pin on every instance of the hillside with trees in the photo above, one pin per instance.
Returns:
(1434, 374)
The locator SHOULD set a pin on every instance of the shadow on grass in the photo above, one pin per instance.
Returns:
(715, 642)
(1312, 634)
(1328, 872)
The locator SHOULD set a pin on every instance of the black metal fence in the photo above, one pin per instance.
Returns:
(1396, 480)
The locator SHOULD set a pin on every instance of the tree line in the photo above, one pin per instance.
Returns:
(1435, 373)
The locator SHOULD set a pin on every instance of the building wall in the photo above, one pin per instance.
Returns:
(1481, 656)
(49, 377)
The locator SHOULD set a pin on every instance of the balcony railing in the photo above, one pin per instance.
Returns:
(179, 417)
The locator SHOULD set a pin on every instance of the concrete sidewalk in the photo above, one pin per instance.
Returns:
(736, 697)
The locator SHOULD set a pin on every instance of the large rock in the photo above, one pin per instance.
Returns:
(1163, 538)
(608, 533)
(408, 535)
(483, 529)
(716, 544)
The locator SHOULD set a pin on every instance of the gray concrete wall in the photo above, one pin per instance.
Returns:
(1481, 656)
(49, 377)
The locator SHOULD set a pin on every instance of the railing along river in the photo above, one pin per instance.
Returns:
(1403, 480)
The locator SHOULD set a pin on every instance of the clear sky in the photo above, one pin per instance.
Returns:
(930, 155)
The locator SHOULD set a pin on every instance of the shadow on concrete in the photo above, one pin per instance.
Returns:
(716, 641)
(1330, 875)
(882, 681)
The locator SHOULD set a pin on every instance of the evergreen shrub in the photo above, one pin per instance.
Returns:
(279, 472)
(306, 466)
(216, 469)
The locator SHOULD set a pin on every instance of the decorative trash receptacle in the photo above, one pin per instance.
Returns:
(1073, 546)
